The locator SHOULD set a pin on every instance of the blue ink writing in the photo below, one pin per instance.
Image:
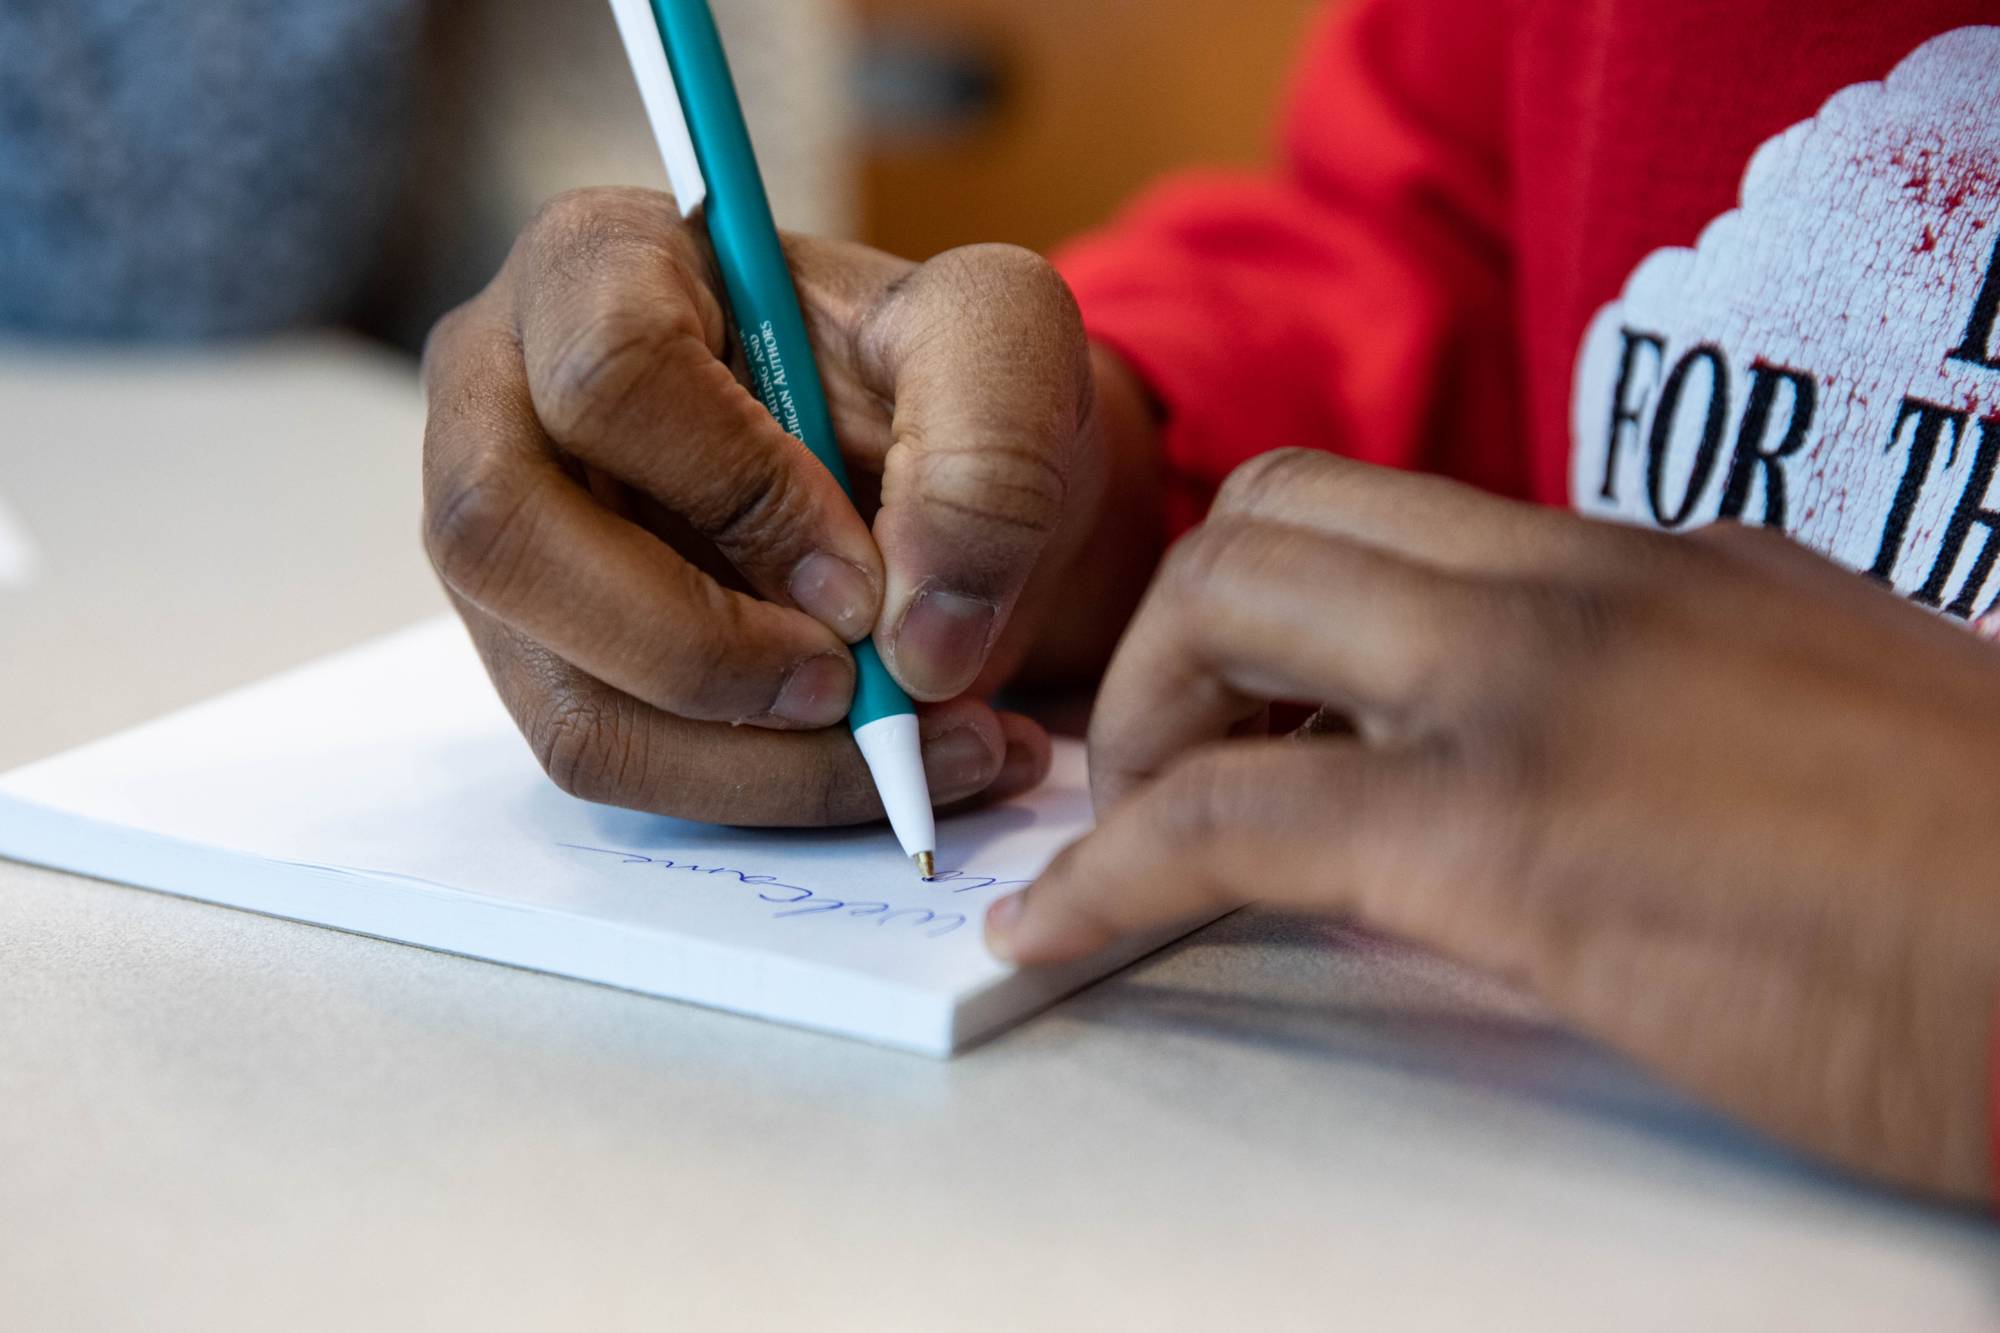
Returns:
(803, 901)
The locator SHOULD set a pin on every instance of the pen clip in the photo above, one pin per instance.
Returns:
(646, 49)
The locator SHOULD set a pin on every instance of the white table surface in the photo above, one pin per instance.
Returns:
(211, 1120)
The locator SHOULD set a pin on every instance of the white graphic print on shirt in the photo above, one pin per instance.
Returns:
(1827, 358)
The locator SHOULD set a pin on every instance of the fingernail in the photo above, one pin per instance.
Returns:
(957, 764)
(835, 592)
(942, 642)
(1001, 919)
(816, 693)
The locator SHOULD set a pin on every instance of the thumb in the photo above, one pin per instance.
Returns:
(982, 353)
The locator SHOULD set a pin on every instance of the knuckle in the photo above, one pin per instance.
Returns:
(1252, 487)
(576, 225)
(588, 750)
(1729, 532)
(1739, 533)
(474, 522)
(1554, 624)
(579, 747)
(1008, 302)
(760, 509)
(1202, 563)
(600, 371)
(1010, 484)
(566, 238)
(564, 214)
(1018, 275)
(1037, 287)
(1028, 308)
(1541, 646)
(586, 232)
(1733, 539)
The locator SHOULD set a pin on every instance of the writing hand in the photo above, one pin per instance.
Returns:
(663, 583)
(1719, 802)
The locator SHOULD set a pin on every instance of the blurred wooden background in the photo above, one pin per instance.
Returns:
(1029, 120)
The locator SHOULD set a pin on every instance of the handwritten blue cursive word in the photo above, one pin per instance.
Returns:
(803, 901)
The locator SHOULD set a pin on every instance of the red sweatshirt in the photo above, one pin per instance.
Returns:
(1663, 260)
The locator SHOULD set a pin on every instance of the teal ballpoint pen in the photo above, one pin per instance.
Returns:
(683, 76)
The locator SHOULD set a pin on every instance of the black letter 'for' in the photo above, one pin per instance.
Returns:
(1663, 429)
(1978, 345)
(1764, 381)
(1931, 421)
(1970, 511)
(1623, 411)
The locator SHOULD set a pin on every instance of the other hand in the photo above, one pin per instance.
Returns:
(1720, 802)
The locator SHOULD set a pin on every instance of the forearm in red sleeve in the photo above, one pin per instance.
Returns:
(1355, 297)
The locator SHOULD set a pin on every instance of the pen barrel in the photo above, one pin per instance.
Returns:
(769, 321)
(772, 329)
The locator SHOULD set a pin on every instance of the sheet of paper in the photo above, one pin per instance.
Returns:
(18, 558)
(385, 791)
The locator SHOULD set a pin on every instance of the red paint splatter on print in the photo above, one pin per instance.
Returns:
(1947, 181)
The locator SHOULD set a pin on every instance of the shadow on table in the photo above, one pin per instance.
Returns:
(1324, 993)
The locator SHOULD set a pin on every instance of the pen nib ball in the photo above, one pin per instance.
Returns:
(926, 864)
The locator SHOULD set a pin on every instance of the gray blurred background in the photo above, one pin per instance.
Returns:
(184, 172)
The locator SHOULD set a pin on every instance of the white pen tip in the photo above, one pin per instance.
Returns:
(895, 756)
(926, 864)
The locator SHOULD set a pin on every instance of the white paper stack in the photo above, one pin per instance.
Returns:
(385, 791)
